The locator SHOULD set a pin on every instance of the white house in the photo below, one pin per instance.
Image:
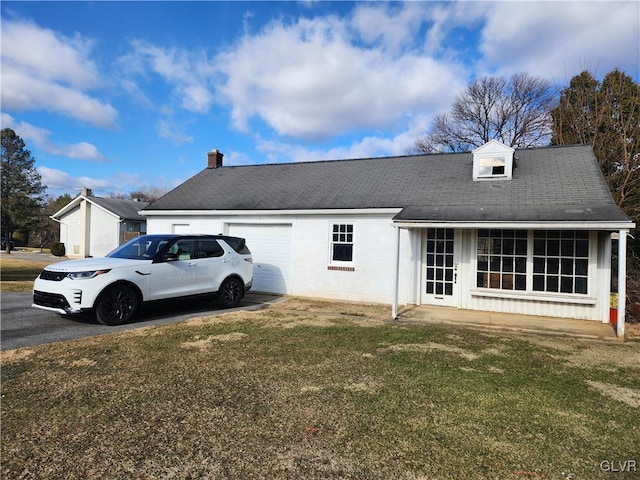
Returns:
(525, 232)
(93, 226)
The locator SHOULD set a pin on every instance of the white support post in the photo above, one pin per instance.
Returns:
(396, 272)
(622, 282)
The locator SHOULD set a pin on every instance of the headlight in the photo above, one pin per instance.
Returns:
(85, 275)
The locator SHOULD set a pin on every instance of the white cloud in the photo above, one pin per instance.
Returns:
(389, 27)
(369, 146)
(312, 80)
(39, 137)
(189, 73)
(172, 132)
(558, 40)
(42, 70)
(59, 182)
(48, 55)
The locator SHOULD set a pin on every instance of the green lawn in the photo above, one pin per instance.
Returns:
(305, 390)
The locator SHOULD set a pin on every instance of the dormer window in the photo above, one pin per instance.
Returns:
(493, 161)
(492, 167)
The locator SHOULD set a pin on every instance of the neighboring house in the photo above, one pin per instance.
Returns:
(93, 226)
(524, 232)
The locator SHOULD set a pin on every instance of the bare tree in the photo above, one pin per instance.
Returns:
(515, 111)
(145, 193)
(149, 193)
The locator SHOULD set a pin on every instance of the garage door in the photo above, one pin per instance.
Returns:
(270, 247)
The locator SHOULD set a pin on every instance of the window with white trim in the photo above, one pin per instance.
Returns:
(560, 261)
(342, 243)
(494, 166)
(553, 261)
(502, 259)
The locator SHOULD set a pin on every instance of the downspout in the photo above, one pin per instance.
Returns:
(396, 272)
(622, 282)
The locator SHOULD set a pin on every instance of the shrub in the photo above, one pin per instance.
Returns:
(57, 249)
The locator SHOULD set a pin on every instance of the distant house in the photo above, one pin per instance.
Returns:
(524, 232)
(93, 226)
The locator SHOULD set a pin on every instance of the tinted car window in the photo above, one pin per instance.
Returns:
(209, 248)
(238, 244)
(185, 249)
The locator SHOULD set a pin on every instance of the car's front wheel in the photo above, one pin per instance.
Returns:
(117, 305)
(230, 293)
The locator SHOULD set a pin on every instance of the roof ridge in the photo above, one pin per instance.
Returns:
(396, 157)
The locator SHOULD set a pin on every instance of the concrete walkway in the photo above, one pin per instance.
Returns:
(507, 321)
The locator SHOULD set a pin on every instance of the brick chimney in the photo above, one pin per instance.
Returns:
(214, 159)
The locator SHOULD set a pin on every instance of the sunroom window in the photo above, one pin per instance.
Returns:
(502, 259)
(551, 261)
(560, 261)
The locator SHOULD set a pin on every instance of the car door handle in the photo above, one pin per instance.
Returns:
(226, 260)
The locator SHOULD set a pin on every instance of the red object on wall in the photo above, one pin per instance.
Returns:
(613, 316)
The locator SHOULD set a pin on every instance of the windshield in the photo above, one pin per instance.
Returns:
(141, 248)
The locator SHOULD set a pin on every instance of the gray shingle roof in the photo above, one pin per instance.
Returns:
(126, 209)
(549, 184)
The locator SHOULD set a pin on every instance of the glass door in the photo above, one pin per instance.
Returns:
(440, 267)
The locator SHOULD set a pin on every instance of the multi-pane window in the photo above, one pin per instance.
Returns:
(560, 261)
(502, 259)
(557, 262)
(342, 242)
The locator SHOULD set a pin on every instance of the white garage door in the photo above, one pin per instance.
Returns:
(270, 247)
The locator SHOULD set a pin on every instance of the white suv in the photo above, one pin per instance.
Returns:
(147, 268)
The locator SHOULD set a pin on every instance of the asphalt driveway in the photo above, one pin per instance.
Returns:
(23, 326)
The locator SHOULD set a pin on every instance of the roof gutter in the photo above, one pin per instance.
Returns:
(324, 211)
(552, 225)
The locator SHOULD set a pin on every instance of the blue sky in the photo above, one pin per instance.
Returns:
(116, 96)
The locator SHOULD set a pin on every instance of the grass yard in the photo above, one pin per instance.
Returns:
(313, 390)
(17, 275)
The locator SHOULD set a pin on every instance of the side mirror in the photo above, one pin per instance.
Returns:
(169, 257)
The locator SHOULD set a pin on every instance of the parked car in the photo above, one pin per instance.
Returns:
(3, 243)
(147, 268)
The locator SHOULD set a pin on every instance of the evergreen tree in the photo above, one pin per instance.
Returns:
(607, 116)
(22, 190)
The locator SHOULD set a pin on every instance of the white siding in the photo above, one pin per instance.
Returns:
(70, 232)
(104, 232)
(371, 278)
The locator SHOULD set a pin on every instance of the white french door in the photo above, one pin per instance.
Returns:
(440, 267)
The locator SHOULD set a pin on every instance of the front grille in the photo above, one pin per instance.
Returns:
(52, 276)
(53, 300)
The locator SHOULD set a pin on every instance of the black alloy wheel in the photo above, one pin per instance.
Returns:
(230, 293)
(117, 305)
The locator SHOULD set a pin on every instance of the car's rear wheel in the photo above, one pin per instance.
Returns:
(117, 305)
(230, 293)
